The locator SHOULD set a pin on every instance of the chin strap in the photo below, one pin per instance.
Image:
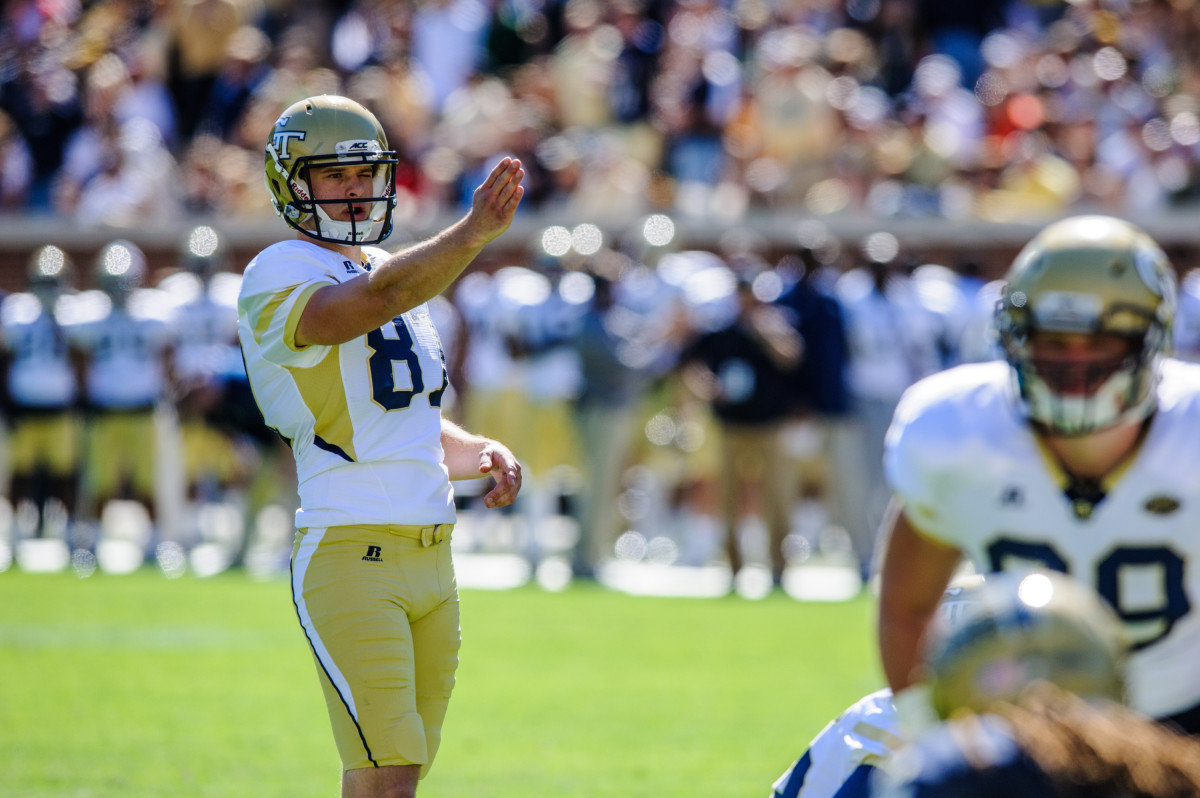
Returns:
(347, 232)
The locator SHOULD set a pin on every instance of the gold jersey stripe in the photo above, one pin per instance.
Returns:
(268, 313)
(293, 319)
(324, 394)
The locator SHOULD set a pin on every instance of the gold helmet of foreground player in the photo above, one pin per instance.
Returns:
(323, 131)
(1024, 628)
(1090, 275)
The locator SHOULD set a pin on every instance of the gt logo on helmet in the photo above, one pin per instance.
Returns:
(281, 138)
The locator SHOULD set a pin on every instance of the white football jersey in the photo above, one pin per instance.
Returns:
(206, 326)
(125, 359)
(973, 475)
(840, 759)
(363, 417)
(40, 374)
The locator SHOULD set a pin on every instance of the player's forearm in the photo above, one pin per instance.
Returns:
(417, 274)
(899, 647)
(915, 572)
(461, 451)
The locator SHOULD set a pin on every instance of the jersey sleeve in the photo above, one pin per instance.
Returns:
(920, 444)
(275, 290)
(839, 760)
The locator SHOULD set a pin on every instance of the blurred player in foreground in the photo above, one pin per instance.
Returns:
(346, 364)
(991, 641)
(1077, 455)
(1048, 744)
(1030, 690)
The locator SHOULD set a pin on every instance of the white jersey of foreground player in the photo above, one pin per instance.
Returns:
(973, 475)
(839, 761)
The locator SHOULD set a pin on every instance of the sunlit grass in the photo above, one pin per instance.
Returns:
(139, 686)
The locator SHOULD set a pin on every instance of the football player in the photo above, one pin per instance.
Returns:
(41, 390)
(1031, 687)
(126, 355)
(206, 358)
(841, 758)
(1077, 454)
(345, 363)
(991, 639)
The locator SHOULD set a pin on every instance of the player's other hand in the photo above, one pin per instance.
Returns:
(498, 462)
(495, 201)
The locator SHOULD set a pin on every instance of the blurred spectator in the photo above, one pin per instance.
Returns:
(1187, 321)
(893, 342)
(820, 392)
(201, 31)
(614, 367)
(16, 166)
(447, 44)
(243, 70)
(744, 369)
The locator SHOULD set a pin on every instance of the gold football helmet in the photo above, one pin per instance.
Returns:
(48, 275)
(328, 130)
(120, 268)
(1022, 628)
(1093, 276)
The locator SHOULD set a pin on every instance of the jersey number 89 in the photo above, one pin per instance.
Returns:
(1144, 584)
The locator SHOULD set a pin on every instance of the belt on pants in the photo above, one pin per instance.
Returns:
(428, 535)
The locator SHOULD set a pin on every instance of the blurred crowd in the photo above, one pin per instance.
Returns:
(119, 110)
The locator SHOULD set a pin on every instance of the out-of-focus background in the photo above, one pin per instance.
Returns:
(845, 180)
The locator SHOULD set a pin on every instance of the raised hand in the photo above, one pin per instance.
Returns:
(495, 201)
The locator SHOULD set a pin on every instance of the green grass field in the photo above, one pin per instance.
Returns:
(136, 686)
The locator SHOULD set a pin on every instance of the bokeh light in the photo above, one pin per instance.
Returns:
(556, 241)
(658, 230)
(881, 247)
(587, 239)
(203, 242)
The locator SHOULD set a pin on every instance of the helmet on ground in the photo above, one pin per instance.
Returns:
(1023, 628)
(120, 268)
(1091, 276)
(325, 131)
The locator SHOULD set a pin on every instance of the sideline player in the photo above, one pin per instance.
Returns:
(1078, 455)
(41, 392)
(127, 353)
(346, 364)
